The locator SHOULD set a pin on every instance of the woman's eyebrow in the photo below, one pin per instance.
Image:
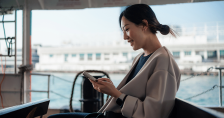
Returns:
(125, 25)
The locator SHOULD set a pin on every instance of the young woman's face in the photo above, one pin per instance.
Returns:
(132, 33)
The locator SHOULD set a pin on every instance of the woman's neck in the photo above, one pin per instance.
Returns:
(151, 45)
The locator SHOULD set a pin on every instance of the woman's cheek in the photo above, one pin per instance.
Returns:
(132, 34)
(128, 34)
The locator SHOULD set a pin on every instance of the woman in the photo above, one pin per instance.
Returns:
(149, 88)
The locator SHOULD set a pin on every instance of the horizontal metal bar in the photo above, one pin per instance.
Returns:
(7, 55)
(35, 91)
(7, 38)
(40, 74)
(219, 68)
(10, 91)
(7, 21)
(19, 91)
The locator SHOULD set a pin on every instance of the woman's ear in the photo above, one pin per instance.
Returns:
(145, 24)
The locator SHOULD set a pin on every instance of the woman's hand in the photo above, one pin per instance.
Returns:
(105, 85)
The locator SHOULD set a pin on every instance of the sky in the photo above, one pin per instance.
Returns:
(52, 27)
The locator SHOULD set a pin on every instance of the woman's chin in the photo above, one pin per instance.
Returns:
(135, 48)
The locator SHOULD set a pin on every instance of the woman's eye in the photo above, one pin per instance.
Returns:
(127, 29)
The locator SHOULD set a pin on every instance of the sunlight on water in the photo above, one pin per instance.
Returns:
(187, 89)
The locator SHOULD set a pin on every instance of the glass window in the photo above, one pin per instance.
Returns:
(199, 53)
(73, 55)
(106, 56)
(211, 54)
(51, 55)
(222, 54)
(115, 53)
(176, 54)
(125, 54)
(66, 57)
(90, 55)
(187, 53)
(81, 57)
(98, 56)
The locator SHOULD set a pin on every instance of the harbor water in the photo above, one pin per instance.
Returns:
(61, 89)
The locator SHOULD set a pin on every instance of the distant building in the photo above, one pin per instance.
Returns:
(196, 49)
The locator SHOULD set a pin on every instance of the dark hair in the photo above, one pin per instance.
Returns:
(138, 12)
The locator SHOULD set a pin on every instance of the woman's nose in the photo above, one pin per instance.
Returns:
(125, 36)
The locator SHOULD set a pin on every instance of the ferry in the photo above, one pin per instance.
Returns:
(194, 51)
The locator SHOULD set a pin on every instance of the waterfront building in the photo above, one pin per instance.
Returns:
(196, 49)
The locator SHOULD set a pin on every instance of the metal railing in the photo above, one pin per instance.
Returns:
(220, 84)
(48, 88)
(215, 86)
(48, 84)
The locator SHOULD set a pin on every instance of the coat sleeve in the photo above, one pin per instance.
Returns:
(160, 94)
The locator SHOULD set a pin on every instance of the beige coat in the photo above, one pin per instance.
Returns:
(151, 93)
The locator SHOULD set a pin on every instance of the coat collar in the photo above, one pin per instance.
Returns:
(122, 83)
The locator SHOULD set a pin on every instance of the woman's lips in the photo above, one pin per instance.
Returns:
(131, 42)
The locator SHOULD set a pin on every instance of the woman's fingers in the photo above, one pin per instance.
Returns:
(105, 79)
(91, 81)
(103, 85)
(95, 85)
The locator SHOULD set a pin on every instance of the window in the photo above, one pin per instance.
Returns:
(115, 53)
(73, 55)
(221, 52)
(211, 54)
(66, 57)
(176, 54)
(90, 55)
(81, 57)
(98, 56)
(106, 56)
(125, 54)
(199, 53)
(51, 55)
(186, 53)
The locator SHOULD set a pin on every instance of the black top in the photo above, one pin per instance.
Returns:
(134, 72)
(137, 68)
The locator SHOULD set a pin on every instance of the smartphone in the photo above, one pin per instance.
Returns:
(87, 75)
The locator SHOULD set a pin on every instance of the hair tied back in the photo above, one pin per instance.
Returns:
(164, 29)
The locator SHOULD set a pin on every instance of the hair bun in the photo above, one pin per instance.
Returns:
(164, 29)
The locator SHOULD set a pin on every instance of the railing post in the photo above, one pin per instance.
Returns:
(220, 88)
(48, 88)
(220, 84)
